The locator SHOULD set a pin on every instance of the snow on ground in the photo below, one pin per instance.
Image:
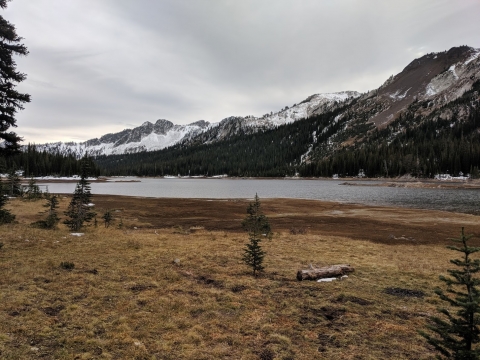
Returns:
(327, 279)
(430, 90)
(474, 56)
(452, 69)
(442, 81)
(398, 96)
(74, 177)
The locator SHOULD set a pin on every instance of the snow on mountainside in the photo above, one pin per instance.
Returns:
(423, 86)
(314, 104)
(234, 125)
(422, 89)
(437, 77)
(456, 80)
(162, 134)
(147, 137)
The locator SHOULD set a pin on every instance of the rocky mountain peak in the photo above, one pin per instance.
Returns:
(200, 123)
(422, 78)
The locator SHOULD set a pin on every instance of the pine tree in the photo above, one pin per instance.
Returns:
(10, 100)
(52, 218)
(79, 211)
(6, 216)
(456, 333)
(257, 226)
(51, 205)
(33, 191)
(13, 183)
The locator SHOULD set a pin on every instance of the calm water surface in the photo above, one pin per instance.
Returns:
(462, 200)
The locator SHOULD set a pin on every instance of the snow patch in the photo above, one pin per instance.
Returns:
(452, 69)
(74, 177)
(474, 56)
(443, 81)
(302, 110)
(398, 96)
(332, 279)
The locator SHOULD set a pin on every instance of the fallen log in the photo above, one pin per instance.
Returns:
(324, 272)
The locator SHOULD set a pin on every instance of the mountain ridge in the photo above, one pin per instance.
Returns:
(164, 133)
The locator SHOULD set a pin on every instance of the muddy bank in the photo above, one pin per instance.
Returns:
(379, 224)
(417, 183)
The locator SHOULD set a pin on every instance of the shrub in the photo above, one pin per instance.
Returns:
(66, 265)
(107, 218)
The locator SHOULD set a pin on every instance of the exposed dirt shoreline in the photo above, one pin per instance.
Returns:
(389, 225)
(424, 183)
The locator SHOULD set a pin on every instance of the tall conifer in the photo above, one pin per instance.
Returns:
(457, 332)
(257, 226)
(10, 100)
(79, 210)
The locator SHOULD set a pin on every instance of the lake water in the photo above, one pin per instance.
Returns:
(460, 200)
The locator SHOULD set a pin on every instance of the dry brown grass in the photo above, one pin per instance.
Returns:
(127, 299)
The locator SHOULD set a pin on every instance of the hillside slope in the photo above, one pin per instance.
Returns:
(421, 121)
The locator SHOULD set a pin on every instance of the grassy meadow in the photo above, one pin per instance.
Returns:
(177, 292)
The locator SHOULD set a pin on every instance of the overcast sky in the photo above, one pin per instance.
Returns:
(100, 66)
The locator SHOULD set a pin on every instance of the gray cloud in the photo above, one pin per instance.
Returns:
(100, 66)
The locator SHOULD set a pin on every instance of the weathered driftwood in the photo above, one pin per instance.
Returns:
(324, 272)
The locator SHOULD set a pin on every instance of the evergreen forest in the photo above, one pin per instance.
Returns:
(413, 144)
(43, 163)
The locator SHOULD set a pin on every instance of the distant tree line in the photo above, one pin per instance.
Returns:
(43, 163)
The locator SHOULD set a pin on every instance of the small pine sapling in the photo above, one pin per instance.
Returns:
(257, 226)
(78, 211)
(107, 218)
(456, 332)
(13, 183)
(51, 205)
(33, 190)
(52, 218)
